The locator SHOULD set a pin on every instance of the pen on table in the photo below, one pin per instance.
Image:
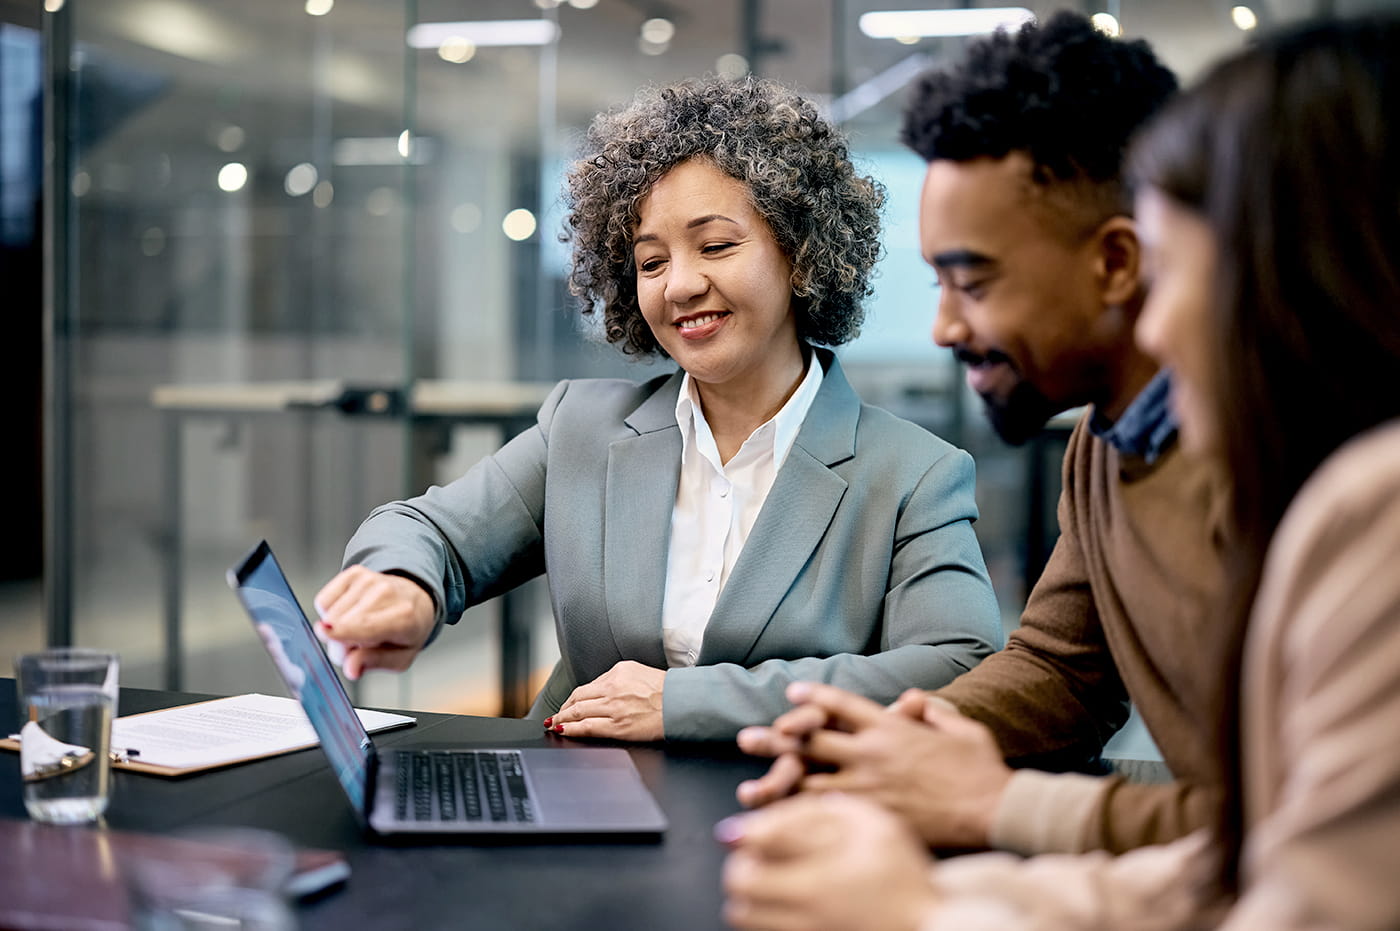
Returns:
(118, 755)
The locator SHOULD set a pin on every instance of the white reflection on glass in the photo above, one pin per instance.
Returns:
(319, 7)
(1244, 18)
(323, 194)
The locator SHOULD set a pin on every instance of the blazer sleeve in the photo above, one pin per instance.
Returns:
(939, 617)
(474, 538)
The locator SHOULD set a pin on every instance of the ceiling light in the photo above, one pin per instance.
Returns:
(904, 23)
(519, 224)
(233, 176)
(319, 7)
(300, 179)
(658, 30)
(485, 32)
(583, 4)
(457, 50)
(1106, 23)
(1244, 17)
(732, 65)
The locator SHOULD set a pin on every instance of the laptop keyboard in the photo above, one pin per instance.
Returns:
(462, 785)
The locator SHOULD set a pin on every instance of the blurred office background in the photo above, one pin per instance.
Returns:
(300, 257)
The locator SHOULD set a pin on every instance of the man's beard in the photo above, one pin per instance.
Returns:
(1021, 415)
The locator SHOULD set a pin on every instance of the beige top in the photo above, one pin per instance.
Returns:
(1321, 709)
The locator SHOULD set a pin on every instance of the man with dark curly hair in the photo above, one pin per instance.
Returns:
(715, 534)
(1026, 221)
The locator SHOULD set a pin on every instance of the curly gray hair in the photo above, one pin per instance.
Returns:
(824, 216)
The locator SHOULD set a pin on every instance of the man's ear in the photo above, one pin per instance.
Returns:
(1118, 263)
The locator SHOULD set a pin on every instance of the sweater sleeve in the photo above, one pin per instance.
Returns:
(1322, 705)
(1160, 888)
(1070, 813)
(1052, 696)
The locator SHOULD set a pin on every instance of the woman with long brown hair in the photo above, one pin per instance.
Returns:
(1269, 209)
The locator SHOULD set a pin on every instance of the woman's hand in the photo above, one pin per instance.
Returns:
(623, 703)
(824, 863)
(373, 620)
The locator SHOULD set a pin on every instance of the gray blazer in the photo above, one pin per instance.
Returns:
(861, 570)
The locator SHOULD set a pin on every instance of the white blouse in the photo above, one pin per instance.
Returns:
(716, 506)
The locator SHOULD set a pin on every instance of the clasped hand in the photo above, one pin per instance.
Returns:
(623, 703)
(824, 863)
(919, 758)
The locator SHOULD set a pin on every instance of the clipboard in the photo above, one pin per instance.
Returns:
(187, 739)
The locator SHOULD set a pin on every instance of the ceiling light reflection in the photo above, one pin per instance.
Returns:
(1244, 18)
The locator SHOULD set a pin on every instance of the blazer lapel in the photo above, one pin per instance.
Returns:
(793, 521)
(643, 474)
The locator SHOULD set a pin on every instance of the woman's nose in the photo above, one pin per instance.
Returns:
(684, 281)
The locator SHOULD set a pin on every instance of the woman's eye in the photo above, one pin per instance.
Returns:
(716, 247)
(650, 265)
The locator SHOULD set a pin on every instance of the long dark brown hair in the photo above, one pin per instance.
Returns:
(1291, 153)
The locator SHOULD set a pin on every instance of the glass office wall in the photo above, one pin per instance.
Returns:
(272, 219)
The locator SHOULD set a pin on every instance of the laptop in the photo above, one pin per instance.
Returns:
(469, 791)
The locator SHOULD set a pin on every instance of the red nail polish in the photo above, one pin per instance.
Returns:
(548, 723)
(559, 729)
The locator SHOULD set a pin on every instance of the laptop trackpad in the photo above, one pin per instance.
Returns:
(590, 785)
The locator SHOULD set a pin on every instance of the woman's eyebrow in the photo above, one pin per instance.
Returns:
(698, 221)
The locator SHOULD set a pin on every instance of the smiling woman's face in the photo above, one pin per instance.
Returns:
(712, 282)
(1177, 325)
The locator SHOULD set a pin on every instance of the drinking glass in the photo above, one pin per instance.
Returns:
(68, 697)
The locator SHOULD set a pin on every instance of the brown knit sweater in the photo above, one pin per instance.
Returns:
(1125, 609)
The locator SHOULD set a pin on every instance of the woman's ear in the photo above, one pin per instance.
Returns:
(1119, 262)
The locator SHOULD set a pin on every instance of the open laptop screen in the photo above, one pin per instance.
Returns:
(303, 665)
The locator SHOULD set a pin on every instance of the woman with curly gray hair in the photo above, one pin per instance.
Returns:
(711, 535)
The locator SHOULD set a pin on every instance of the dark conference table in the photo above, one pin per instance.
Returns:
(673, 883)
